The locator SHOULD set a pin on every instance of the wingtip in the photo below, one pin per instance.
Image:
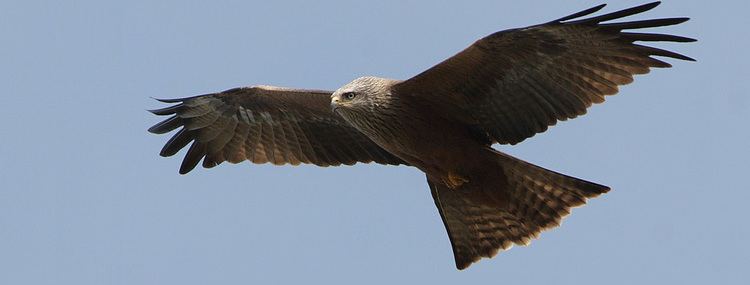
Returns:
(680, 20)
(679, 56)
(152, 129)
(175, 100)
(580, 14)
(679, 39)
(651, 5)
(646, 7)
(195, 154)
(166, 111)
(166, 151)
(166, 126)
(598, 7)
(187, 166)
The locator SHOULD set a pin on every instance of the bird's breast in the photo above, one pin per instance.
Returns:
(433, 144)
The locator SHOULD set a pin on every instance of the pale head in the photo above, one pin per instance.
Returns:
(364, 93)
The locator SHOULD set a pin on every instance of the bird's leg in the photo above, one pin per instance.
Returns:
(453, 180)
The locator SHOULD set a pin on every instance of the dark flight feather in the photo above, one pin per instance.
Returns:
(581, 14)
(615, 15)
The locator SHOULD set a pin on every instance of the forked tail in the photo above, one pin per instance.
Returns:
(483, 217)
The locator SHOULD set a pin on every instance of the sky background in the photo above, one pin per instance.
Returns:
(85, 198)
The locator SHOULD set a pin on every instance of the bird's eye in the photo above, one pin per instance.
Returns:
(349, 95)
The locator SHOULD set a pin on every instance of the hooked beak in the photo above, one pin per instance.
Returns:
(334, 103)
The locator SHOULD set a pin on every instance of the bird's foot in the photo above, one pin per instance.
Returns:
(454, 180)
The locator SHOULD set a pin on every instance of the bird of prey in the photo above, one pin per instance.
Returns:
(502, 89)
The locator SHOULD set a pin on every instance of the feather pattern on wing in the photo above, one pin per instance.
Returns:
(262, 125)
(515, 83)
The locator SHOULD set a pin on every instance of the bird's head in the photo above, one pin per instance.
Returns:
(361, 95)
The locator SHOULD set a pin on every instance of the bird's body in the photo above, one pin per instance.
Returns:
(504, 88)
(405, 127)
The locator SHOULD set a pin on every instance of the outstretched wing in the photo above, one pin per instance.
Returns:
(264, 124)
(513, 84)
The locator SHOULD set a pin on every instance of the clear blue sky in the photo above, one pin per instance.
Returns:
(85, 198)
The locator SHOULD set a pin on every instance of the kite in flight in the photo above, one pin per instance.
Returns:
(502, 89)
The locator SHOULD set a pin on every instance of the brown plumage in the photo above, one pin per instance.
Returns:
(504, 88)
(264, 124)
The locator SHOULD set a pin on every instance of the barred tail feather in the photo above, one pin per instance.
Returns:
(483, 218)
